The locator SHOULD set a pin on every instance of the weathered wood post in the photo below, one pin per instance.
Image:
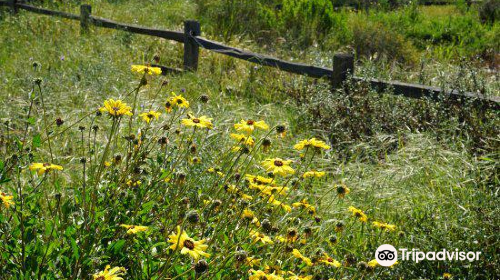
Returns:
(343, 65)
(12, 5)
(85, 11)
(191, 48)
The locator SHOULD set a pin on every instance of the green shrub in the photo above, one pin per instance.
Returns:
(489, 11)
(227, 18)
(310, 21)
(370, 38)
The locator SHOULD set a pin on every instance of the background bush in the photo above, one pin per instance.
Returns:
(450, 32)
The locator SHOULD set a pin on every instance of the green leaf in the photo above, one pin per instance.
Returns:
(31, 120)
(117, 246)
(74, 247)
(37, 141)
(146, 208)
(19, 144)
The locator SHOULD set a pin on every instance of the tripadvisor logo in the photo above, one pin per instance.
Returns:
(387, 255)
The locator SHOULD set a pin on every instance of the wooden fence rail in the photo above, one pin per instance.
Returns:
(343, 64)
(46, 11)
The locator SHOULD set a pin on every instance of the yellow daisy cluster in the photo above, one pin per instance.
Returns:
(238, 203)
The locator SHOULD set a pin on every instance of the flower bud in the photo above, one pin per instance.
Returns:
(201, 266)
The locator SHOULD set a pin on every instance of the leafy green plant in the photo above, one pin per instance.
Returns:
(373, 39)
(489, 11)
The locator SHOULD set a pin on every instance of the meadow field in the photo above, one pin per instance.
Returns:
(110, 170)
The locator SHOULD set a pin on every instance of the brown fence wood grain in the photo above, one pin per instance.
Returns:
(395, 87)
(47, 12)
(297, 68)
(166, 34)
(434, 93)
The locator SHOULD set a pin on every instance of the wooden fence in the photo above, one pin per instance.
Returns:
(343, 64)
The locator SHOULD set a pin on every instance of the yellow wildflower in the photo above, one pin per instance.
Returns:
(243, 139)
(292, 235)
(231, 189)
(259, 275)
(373, 263)
(358, 214)
(116, 108)
(143, 69)
(131, 183)
(258, 179)
(326, 259)
(384, 226)
(110, 274)
(148, 116)
(313, 173)
(44, 167)
(286, 207)
(201, 122)
(447, 275)
(6, 200)
(258, 236)
(298, 277)
(249, 126)
(252, 261)
(269, 190)
(245, 197)
(168, 106)
(278, 166)
(304, 204)
(298, 255)
(178, 100)
(274, 269)
(195, 160)
(313, 142)
(281, 239)
(342, 190)
(187, 245)
(276, 202)
(249, 215)
(131, 229)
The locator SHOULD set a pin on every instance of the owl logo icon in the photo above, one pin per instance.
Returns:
(386, 255)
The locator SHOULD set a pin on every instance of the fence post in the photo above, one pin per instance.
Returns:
(12, 5)
(191, 48)
(343, 64)
(85, 11)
